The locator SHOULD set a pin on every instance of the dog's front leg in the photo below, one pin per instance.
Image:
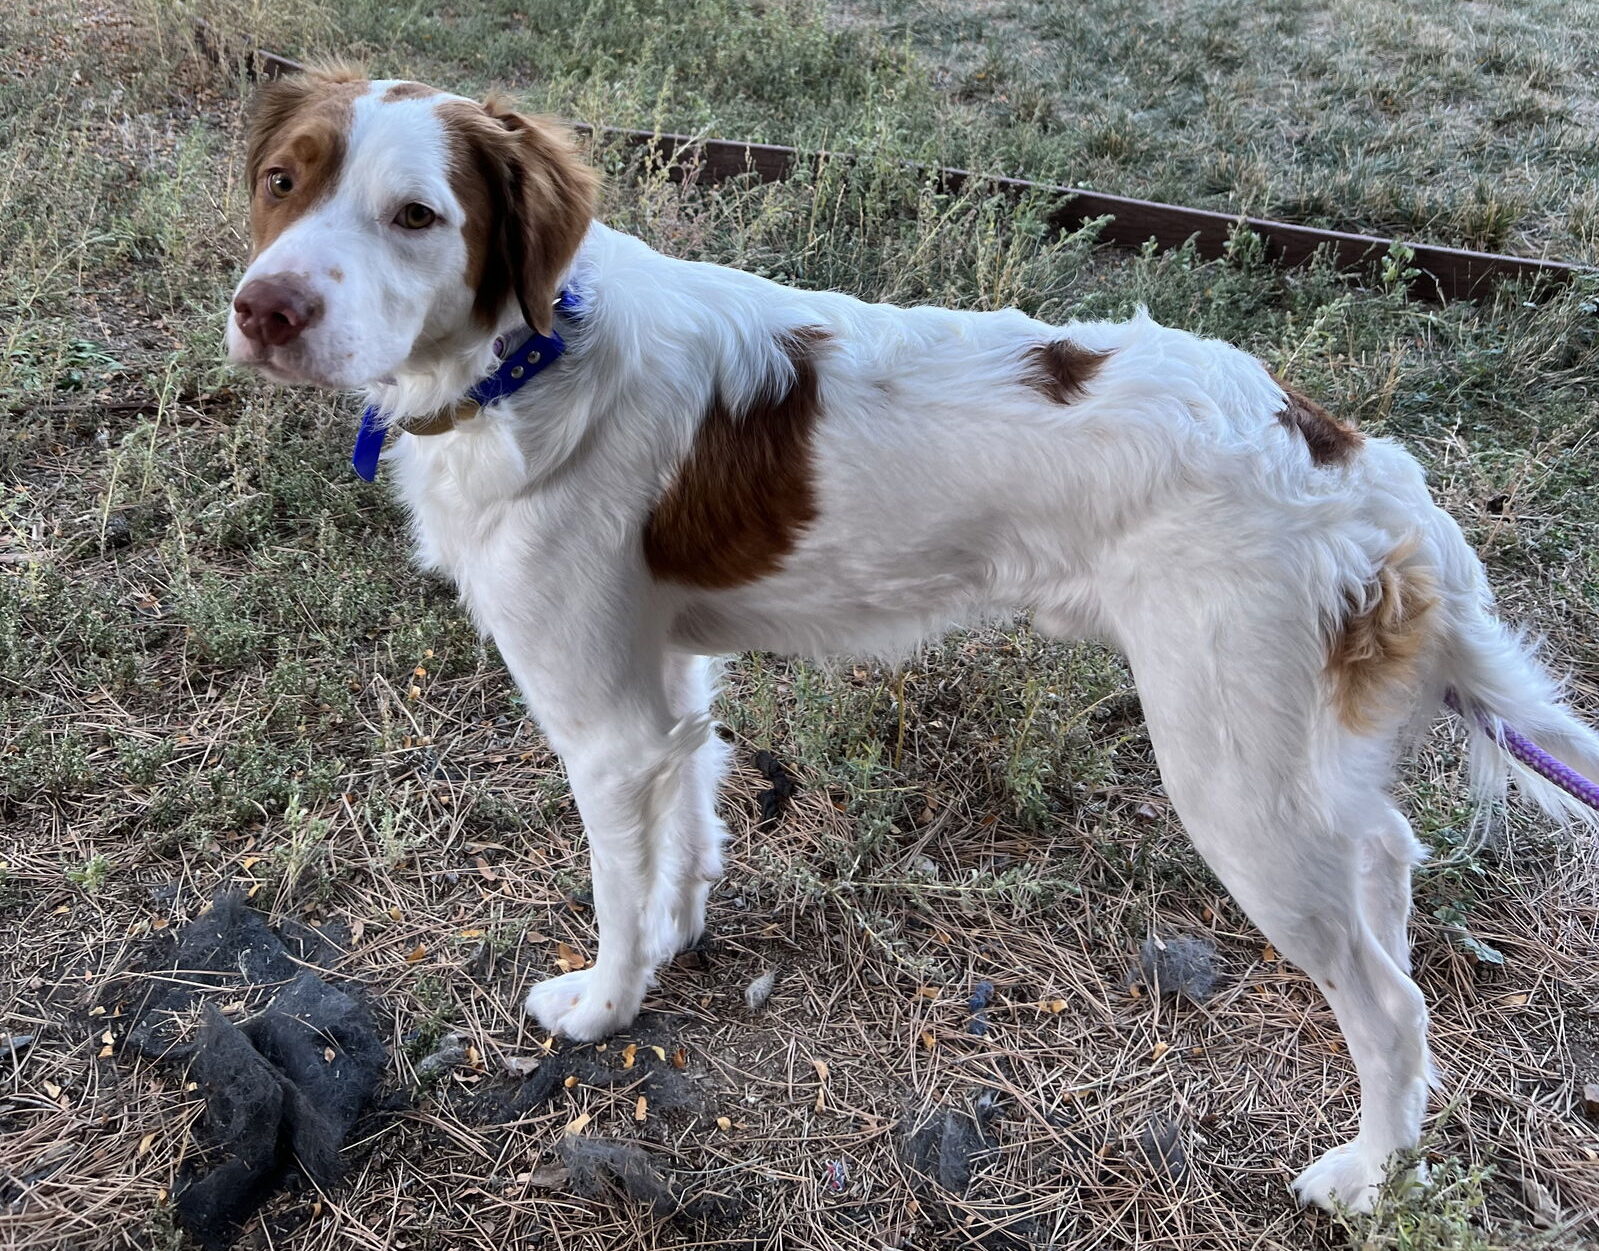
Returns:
(598, 689)
(624, 784)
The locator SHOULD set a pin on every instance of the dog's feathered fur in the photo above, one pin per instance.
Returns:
(722, 463)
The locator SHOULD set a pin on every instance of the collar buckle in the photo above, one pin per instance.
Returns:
(518, 366)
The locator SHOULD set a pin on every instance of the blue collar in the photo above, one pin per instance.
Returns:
(517, 368)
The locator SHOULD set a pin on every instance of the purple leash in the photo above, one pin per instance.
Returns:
(1533, 756)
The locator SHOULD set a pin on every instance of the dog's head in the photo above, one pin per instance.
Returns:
(393, 226)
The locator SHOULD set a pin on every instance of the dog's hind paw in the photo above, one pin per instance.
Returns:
(1350, 1175)
(583, 1005)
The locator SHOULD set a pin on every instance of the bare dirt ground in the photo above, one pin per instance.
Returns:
(218, 672)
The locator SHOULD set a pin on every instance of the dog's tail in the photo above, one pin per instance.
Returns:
(1498, 684)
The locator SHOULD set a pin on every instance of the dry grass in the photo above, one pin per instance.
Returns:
(222, 673)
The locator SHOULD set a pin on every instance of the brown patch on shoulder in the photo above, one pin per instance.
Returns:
(1331, 442)
(300, 126)
(527, 197)
(408, 91)
(1374, 658)
(1060, 369)
(743, 495)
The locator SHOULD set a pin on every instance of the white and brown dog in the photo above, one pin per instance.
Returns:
(720, 463)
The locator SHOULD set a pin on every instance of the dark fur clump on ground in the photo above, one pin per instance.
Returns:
(599, 1167)
(283, 1087)
(1177, 968)
(946, 1146)
(780, 789)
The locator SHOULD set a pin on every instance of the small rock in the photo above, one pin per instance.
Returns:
(450, 1052)
(760, 990)
(1590, 1099)
(1540, 1203)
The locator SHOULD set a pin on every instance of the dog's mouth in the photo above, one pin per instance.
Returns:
(290, 365)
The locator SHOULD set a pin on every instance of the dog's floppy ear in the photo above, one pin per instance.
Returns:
(546, 200)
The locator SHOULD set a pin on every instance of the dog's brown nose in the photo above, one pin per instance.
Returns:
(275, 311)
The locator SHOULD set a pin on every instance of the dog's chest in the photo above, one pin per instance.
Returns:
(462, 491)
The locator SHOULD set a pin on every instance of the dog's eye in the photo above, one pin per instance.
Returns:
(415, 217)
(279, 184)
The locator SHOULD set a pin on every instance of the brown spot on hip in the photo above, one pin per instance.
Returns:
(744, 493)
(1374, 657)
(1060, 369)
(335, 273)
(408, 91)
(299, 125)
(1330, 441)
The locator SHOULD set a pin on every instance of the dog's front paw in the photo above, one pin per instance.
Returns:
(584, 1005)
(1351, 1175)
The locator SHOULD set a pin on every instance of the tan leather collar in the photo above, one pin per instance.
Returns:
(443, 421)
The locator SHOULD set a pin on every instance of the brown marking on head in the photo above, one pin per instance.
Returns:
(1375, 656)
(744, 493)
(408, 91)
(335, 273)
(299, 126)
(1060, 369)
(1331, 442)
(528, 198)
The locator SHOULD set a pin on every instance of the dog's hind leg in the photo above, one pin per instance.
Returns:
(1288, 807)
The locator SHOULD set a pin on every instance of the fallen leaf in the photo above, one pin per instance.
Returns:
(679, 1058)
(568, 959)
(660, 1053)
(570, 1081)
(419, 952)
(328, 1053)
(521, 1066)
(723, 1124)
(928, 1040)
(1269, 955)
(395, 914)
(629, 1054)
(580, 1124)
(51, 1089)
(641, 1109)
(1160, 1049)
(144, 1143)
(821, 1090)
